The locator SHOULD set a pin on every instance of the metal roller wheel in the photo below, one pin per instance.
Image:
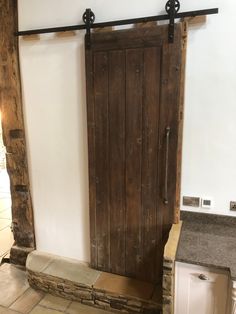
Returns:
(168, 6)
(92, 17)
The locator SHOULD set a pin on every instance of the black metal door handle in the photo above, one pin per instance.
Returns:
(203, 277)
(167, 137)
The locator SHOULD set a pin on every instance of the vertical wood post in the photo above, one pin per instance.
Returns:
(14, 134)
(181, 120)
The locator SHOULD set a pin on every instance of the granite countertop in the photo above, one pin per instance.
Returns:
(208, 240)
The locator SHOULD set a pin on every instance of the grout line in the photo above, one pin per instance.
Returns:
(8, 226)
(51, 308)
(16, 300)
(47, 264)
(37, 304)
(4, 254)
(68, 306)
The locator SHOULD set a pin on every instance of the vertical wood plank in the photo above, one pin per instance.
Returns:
(184, 38)
(117, 159)
(91, 155)
(102, 159)
(134, 93)
(151, 220)
(169, 112)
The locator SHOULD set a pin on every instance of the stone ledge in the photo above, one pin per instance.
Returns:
(76, 281)
(61, 267)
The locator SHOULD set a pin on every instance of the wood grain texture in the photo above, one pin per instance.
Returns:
(91, 155)
(184, 39)
(169, 112)
(125, 39)
(133, 94)
(152, 220)
(101, 117)
(117, 159)
(13, 127)
(133, 118)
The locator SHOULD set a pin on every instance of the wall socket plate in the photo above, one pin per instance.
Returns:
(207, 202)
(191, 201)
(233, 205)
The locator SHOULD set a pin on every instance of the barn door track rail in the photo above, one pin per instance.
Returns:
(172, 9)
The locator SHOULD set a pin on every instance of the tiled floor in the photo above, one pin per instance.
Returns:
(17, 297)
(6, 237)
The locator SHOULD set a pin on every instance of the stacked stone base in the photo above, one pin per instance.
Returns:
(168, 284)
(91, 296)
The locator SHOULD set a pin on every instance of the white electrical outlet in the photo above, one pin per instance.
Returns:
(207, 202)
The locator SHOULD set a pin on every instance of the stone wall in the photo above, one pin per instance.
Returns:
(168, 287)
(90, 296)
(76, 281)
(168, 279)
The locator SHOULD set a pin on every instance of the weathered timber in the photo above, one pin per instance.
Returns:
(134, 82)
(13, 131)
(181, 119)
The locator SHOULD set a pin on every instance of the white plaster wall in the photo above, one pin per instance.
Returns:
(53, 81)
(209, 154)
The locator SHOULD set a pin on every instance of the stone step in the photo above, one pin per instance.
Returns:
(76, 281)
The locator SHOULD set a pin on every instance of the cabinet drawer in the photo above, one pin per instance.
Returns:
(200, 290)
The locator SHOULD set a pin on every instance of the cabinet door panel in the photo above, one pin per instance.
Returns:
(200, 290)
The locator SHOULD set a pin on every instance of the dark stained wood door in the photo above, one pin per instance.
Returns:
(133, 92)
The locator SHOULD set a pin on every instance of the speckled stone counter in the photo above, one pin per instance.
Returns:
(208, 240)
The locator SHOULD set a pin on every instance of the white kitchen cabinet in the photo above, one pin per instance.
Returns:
(201, 290)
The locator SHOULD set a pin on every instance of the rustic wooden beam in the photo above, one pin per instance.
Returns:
(14, 133)
(181, 120)
(196, 20)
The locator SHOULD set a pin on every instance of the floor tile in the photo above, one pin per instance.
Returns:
(72, 270)
(13, 283)
(37, 261)
(5, 202)
(4, 189)
(55, 303)
(43, 310)
(78, 308)
(3, 310)
(124, 286)
(26, 302)
(4, 223)
(6, 214)
(6, 240)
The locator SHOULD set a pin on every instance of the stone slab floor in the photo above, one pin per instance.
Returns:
(6, 237)
(16, 296)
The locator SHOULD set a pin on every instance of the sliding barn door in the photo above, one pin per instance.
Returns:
(133, 87)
